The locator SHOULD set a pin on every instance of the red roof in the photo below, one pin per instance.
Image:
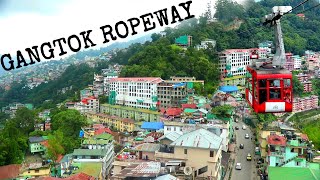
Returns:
(85, 100)
(79, 176)
(301, 15)
(173, 111)
(191, 106)
(137, 79)
(304, 137)
(98, 126)
(9, 171)
(103, 130)
(277, 140)
(155, 135)
(60, 157)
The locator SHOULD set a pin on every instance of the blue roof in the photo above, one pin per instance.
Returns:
(179, 85)
(152, 125)
(228, 89)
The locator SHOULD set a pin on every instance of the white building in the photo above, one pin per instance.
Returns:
(297, 62)
(138, 92)
(106, 80)
(205, 44)
(170, 126)
(222, 130)
(233, 64)
(89, 104)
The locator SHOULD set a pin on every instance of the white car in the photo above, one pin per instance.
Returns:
(238, 166)
(247, 136)
(244, 127)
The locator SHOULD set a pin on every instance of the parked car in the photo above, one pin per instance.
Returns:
(257, 151)
(241, 146)
(237, 128)
(238, 166)
(249, 158)
(244, 127)
(247, 136)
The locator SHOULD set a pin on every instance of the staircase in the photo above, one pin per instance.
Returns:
(287, 161)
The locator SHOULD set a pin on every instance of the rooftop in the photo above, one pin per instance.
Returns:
(89, 152)
(143, 169)
(152, 125)
(137, 79)
(200, 138)
(277, 140)
(131, 109)
(172, 136)
(296, 173)
(35, 139)
(147, 147)
(91, 169)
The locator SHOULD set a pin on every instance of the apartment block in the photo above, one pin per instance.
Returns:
(307, 103)
(297, 62)
(138, 92)
(289, 65)
(305, 80)
(137, 114)
(89, 104)
(171, 93)
(106, 81)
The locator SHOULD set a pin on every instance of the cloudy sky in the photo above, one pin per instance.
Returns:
(25, 23)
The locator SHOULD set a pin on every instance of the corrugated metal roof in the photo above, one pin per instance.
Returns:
(172, 136)
(147, 147)
(296, 173)
(200, 138)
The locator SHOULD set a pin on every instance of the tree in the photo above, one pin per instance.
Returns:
(55, 145)
(155, 37)
(222, 111)
(25, 120)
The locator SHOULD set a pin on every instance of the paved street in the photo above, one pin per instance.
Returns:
(246, 173)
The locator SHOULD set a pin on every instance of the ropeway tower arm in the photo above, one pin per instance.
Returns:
(279, 58)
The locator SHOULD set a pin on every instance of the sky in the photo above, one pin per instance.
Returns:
(25, 23)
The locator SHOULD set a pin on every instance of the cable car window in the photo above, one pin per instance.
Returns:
(262, 96)
(263, 83)
(275, 94)
(287, 97)
(276, 83)
(287, 82)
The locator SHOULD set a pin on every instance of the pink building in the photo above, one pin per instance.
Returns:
(289, 65)
(305, 80)
(302, 104)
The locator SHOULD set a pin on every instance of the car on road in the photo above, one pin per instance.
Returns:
(257, 151)
(247, 136)
(244, 127)
(237, 128)
(238, 166)
(237, 120)
(249, 158)
(241, 146)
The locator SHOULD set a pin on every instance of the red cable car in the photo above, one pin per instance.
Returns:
(269, 91)
(268, 85)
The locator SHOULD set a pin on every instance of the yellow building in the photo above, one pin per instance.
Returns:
(263, 134)
(199, 150)
(36, 170)
(121, 124)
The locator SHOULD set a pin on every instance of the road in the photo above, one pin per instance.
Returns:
(246, 173)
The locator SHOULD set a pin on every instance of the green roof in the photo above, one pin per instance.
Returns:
(104, 136)
(45, 137)
(277, 173)
(29, 106)
(89, 152)
(132, 109)
(182, 40)
(89, 168)
(93, 141)
(187, 110)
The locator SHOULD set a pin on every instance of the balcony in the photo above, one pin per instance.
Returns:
(277, 154)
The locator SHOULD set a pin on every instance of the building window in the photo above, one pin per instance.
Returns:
(185, 151)
(211, 153)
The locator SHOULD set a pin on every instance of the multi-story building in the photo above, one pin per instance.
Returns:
(233, 64)
(184, 41)
(185, 79)
(119, 123)
(98, 85)
(297, 62)
(305, 80)
(289, 65)
(266, 46)
(307, 103)
(137, 114)
(287, 150)
(138, 92)
(205, 44)
(89, 104)
(106, 83)
(312, 63)
(171, 93)
(199, 150)
(36, 144)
